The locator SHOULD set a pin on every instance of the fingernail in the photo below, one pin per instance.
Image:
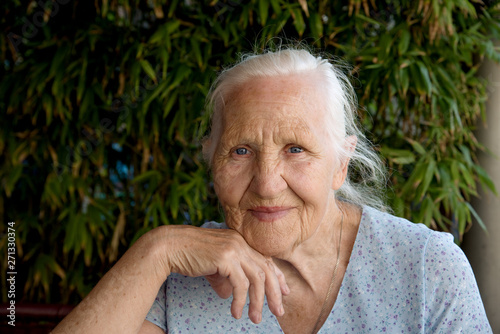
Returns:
(282, 310)
(259, 318)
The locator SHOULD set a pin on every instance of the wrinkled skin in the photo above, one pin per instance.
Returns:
(275, 173)
(275, 152)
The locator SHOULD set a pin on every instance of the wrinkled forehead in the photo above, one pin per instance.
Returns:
(295, 101)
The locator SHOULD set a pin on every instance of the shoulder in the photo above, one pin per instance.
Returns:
(434, 263)
(452, 299)
(388, 231)
(394, 237)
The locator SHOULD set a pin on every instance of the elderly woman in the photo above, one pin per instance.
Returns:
(303, 249)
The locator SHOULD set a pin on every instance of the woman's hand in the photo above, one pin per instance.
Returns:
(230, 265)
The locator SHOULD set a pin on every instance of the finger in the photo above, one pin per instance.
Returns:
(285, 289)
(220, 285)
(273, 288)
(256, 293)
(240, 284)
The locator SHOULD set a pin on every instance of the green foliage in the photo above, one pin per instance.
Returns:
(102, 105)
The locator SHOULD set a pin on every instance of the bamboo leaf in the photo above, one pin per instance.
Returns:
(316, 25)
(424, 73)
(476, 216)
(146, 66)
(398, 156)
(276, 6)
(417, 146)
(11, 179)
(298, 21)
(263, 11)
(146, 176)
(426, 181)
(181, 73)
(404, 42)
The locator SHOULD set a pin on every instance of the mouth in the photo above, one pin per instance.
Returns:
(269, 213)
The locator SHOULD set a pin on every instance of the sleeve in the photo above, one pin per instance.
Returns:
(452, 300)
(157, 313)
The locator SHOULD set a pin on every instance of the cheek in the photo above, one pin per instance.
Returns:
(309, 180)
(230, 182)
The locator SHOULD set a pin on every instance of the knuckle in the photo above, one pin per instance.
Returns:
(245, 283)
(228, 252)
(270, 263)
(279, 275)
(261, 276)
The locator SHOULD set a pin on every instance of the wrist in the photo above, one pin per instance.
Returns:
(155, 249)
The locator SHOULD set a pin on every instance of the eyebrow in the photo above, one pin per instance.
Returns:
(298, 135)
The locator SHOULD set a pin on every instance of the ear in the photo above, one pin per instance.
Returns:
(341, 173)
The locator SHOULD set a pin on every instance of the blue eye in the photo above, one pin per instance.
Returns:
(241, 151)
(295, 149)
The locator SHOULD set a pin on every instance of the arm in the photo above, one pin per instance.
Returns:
(452, 300)
(150, 328)
(120, 301)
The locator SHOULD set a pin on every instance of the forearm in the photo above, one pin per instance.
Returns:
(121, 300)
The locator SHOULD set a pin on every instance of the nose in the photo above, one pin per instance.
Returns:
(268, 179)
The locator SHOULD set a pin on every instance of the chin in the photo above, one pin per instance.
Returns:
(270, 248)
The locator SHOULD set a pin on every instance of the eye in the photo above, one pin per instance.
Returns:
(241, 151)
(295, 149)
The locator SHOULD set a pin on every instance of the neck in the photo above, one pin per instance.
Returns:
(305, 264)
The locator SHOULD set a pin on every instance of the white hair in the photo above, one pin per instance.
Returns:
(366, 177)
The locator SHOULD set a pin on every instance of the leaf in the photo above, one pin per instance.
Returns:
(276, 6)
(54, 266)
(303, 4)
(117, 234)
(151, 97)
(485, 179)
(316, 25)
(174, 199)
(71, 233)
(466, 175)
(172, 98)
(424, 73)
(11, 179)
(427, 179)
(57, 62)
(195, 45)
(385, 47)
(445, 80)
(263, 11)
(416, 178)
(146, 66)
(298, 21)
(146, 176)
(416, 80)
(417, 146)
(182, 72)
(82, 78)
(404, 79)
(477, 217)
(367, 19)
(398, 156)
(427, 210)
(404, 42)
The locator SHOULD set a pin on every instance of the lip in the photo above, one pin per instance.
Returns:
(269, 213)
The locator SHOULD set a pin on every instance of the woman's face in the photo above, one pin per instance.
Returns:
(274, 167)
